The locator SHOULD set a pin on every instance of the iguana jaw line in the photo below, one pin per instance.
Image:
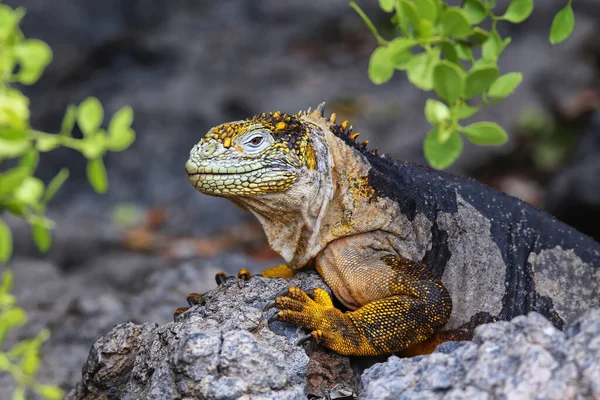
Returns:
(234, 176)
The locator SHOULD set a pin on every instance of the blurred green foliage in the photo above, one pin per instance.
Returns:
(22, 61)
(443, 48)
(22, 360)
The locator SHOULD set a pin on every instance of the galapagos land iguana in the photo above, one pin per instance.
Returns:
(416, 255)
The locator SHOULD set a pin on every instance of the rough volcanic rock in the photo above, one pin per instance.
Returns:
(224, 349)
(220, 350)
(526, 358)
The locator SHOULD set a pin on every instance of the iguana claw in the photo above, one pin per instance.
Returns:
(269, 305)
(274, 317)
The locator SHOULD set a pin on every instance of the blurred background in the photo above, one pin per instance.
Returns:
(188, 65)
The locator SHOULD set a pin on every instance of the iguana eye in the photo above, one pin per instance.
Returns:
(256, 142)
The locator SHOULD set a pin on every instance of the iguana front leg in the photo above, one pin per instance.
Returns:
(398, 303)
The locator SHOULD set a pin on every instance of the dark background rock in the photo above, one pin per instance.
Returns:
(185, 66)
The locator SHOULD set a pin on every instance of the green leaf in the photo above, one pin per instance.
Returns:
(518, 11)
(7, 281)
(19, 393)
(381, 67)
(30, 363)
(476, 11)
(90, 115)
(399, 52)
(442, 155)
(30, 191)
(41, 235)
(409, 12)
(6, 244)
(420, 70)
(120, 135)
(7, 22)
(485, 133)
(562, 25)
(466, 111)
(14, 109)
(14, 316)
(455, 23)
(13, 142)
(479, 80)
(450, 52)
(68, 121)
(427, 9)
(493, 47)
(34, 56)
(477, 37)
(12, 179)
(49, 392)
(54, 185)
(96, 174)
(463, 52)
(505, 84)
(387, 5)
(436, 112)
(448, 81)
(444, 133)
(425, 29)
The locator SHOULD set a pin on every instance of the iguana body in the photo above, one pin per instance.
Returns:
(408, 250)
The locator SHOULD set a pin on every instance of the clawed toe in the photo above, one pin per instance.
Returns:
(178, 312)
(314, 335)
(244, 274)
(220, 278)
(194, 299)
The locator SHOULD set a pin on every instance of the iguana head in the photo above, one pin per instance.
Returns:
(256, 156)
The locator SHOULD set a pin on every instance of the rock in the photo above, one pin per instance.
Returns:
(525, 358)
(223, 349)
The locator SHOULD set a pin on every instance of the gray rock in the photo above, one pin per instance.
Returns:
(526, 358)
(223, 349)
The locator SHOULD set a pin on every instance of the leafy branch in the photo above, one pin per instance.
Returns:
(443, 48)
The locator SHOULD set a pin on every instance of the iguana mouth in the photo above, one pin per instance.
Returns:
(239, 180)
(194, 168)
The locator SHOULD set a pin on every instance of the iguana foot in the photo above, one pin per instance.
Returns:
(328, 325)
(196, 298)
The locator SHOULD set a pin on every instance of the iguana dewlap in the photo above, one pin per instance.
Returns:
(418, 256)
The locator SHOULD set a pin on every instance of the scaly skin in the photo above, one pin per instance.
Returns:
(389, 239)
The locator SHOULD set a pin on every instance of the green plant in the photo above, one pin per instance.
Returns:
(22, 360)
(443, 48)
(22, 61)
